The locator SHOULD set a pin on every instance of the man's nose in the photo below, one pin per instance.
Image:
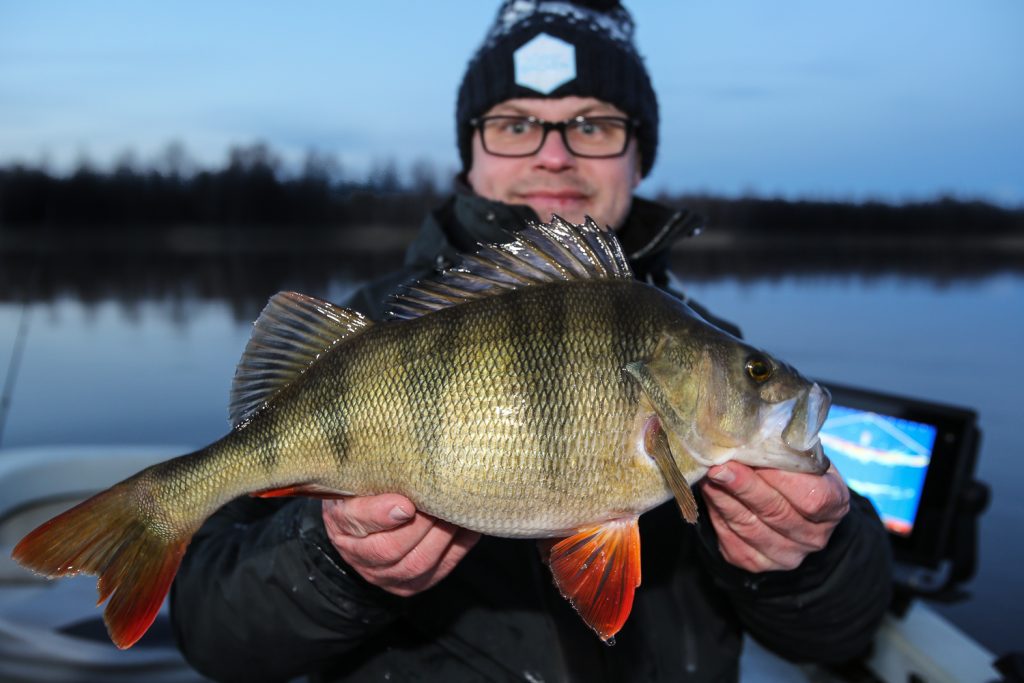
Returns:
(553, 154)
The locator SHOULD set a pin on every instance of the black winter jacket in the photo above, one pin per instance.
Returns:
(262, 595)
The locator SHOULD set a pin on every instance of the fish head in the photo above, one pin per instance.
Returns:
(778, 411)
(722, 399)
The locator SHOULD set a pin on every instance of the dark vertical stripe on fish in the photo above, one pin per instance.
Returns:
(558, 378)
(622, 313)
(624, 332)
(446, 347)
(271, 434)
(524, 321)
(413, 359)
(338, 407)
(428, 369)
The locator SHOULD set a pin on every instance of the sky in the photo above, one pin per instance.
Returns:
(873, 99)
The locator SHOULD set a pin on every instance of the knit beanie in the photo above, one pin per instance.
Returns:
(556, 48)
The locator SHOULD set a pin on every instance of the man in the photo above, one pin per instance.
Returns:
(556, 114)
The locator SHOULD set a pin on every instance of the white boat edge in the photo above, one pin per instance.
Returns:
(36, 482)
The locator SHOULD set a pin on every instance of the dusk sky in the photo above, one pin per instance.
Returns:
(801, 99)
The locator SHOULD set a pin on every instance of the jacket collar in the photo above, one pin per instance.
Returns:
(466, 220)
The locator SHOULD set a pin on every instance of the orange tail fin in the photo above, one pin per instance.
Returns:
(106, 536)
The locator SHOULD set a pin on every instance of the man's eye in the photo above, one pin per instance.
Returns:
(588, 127)
(515, 127)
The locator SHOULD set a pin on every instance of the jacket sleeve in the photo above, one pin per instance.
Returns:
(262, 595)
(826, 610)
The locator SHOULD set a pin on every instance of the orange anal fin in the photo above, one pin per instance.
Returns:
(306, 490)
(598, 570)
(106, 536)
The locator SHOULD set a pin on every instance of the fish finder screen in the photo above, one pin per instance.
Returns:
(883, 458)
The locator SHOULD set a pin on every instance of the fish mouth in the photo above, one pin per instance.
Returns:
(800, 435)
(809, 414)
(788, 438)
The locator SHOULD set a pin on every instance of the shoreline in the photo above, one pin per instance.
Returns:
(390, 240)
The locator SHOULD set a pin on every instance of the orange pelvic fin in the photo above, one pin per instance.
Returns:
(307, 490)
(105, 536)
(598, 570)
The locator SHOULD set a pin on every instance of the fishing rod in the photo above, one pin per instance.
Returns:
(17, 353)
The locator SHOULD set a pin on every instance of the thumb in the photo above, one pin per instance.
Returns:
(360, 516)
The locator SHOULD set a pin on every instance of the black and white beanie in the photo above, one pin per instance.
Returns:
(556, 48)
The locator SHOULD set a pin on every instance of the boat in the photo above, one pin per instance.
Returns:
(52, 630)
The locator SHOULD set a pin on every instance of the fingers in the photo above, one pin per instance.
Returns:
(363, 515)
(778, 498)
(817, 498)
(767, 519)
(412, 548)
(747, 541)
(778, 553)
(457, 549)
(402, 556)
(425, 563)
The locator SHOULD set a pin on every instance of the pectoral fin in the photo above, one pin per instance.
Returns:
(656, 443)
(598, 570)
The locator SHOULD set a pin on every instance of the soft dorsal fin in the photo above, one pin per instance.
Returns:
(540, 253)
(291, 333)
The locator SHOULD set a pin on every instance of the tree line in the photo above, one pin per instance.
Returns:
(253, 188)
(943, 217)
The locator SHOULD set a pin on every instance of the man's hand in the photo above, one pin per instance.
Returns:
(392, 545)
(767, 519)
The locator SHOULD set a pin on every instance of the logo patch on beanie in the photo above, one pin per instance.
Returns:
(544, 63)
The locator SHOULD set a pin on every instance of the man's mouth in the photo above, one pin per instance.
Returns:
(554, 197)
(554, 194)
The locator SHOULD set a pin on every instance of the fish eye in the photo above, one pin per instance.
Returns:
(759, 369)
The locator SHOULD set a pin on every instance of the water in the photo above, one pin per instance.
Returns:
(158, 369)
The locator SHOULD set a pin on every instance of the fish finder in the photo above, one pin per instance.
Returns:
(915, 461)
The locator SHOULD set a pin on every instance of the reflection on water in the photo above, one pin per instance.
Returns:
(245, 279)
(244, 284)
(130, 351)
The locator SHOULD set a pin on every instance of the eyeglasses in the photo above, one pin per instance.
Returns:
(594, 137)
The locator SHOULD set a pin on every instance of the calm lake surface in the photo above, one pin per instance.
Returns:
(156, 368)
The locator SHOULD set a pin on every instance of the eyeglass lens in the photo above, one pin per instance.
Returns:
(522, 136)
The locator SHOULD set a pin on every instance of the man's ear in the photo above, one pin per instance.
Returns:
(476, 148)
(637, 173)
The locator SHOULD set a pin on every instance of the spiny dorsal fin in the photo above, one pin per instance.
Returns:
(291, 333)
(540, 253)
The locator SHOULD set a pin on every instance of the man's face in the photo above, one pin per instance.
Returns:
(554, 180)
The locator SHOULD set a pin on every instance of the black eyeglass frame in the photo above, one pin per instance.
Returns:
(630, 126)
